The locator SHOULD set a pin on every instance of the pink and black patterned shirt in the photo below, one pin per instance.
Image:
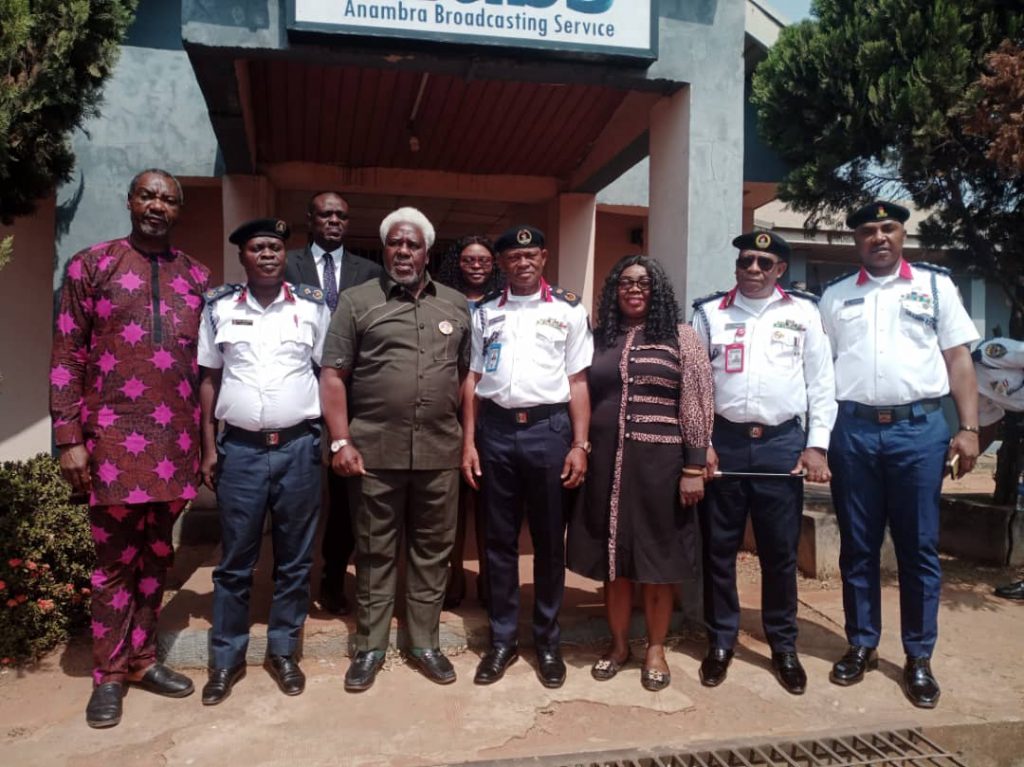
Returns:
(123, 375)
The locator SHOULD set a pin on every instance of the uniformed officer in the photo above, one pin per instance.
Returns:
(774, 409)
(999, 366)
(530, 418)
(899, 336)
(258, 344)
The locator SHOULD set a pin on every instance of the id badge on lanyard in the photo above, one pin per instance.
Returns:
(734, 357)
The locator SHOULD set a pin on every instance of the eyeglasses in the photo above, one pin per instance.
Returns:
(764, 263)
(626, 284)
(477, 261)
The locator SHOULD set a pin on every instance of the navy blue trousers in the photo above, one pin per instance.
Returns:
(522, 468)
(775, 508)
(253, 480)
(889, 474)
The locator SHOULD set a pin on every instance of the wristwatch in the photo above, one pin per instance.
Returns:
(584, 446)
(972, 429)
(338, 444)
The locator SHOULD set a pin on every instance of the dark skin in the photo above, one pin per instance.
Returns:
(153, 207)
(524, 268)
(755, 283)
(476, 264)
(263, 259)
(328, 220)
(879, 246)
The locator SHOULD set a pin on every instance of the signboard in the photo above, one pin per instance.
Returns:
(605, 27)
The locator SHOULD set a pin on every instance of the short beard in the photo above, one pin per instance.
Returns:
(407, 282)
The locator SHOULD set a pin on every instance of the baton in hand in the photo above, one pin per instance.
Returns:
(758, 474)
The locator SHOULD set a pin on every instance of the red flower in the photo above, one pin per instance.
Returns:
(20, 598)
(69, 587)
(12, 602)
(5, 661)
(30, 565)
(46, 605)
(15, 562)
(3, 585)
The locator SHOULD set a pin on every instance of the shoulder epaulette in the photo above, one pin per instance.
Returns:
(709, 297)
(310, 293)
(215, 294)
(840, 278)
(813, 297)
(931, 267)
(565, 295)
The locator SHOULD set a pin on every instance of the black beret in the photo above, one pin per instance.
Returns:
(259, 227)
(879, 210)
(766, 242)
(522, 236)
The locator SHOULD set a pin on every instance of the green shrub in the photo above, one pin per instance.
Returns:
(46, 560)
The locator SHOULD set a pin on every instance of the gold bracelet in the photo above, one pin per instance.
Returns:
(693, 472)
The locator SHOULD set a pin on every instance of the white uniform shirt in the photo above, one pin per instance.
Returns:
(267, 356)
(526, 347)
(318, 261)
(888, 334)
(770, 360)
(1000, 371)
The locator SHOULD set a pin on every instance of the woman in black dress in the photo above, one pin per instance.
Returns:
(652, 414)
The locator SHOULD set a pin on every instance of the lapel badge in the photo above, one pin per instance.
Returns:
(445, 327)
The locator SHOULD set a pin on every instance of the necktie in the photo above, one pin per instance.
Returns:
(330, 284)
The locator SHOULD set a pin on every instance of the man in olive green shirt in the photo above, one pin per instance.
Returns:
(395, 357)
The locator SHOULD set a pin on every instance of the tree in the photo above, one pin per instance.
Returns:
(999, 115)
(54, 57)
(875, 98)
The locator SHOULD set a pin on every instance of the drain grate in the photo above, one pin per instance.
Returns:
(894, 748)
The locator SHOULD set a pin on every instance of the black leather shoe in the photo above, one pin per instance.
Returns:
(104, 707)
(851, 667)
(789, 672)
(1011, 591)
(363, 671)
(715, 666)
(163, 681)
(286, 672)
(919, 684)
(332, 599)
(495, 662)
(550, 667)
(433, 665)
(219, 683)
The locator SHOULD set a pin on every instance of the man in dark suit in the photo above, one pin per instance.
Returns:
(326, 263)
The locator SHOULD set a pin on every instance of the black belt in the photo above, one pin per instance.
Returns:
(754, 430)
(892, 413)
(522, 416)
(269, 437)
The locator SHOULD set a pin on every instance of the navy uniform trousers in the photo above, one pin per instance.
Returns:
(522, 467)
(889, 473)
(775, 508)
(252, 480)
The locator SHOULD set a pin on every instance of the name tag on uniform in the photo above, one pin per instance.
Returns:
(493, 355)
(734, 358)
(853, 301)
(241, 322)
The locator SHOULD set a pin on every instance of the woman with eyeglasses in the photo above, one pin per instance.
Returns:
(652, 414)
(469, 268)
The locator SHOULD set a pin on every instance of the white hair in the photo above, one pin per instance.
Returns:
(409, 216)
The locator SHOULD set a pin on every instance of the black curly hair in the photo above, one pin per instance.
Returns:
(449, 272)
(663, 312)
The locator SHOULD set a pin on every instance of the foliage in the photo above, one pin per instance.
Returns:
(46, 560)
(999, 116)
(870, 100)
(54, 58)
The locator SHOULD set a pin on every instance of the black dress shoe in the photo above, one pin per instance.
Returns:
(104, 707)
(789, 672)
(851, 667)
(433, 665)
(286, 672)
(363, 671)
(919, 684)
(163, 681)
(550, 667)
(219, 683)
(1011, 591)
(495, 662)
(332, 599)
(715, 666)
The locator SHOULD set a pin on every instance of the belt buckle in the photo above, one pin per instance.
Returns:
(522, 417)
(271, 438)
(884, 416)
(756, 432)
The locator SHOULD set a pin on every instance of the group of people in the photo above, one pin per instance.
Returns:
(628, 448)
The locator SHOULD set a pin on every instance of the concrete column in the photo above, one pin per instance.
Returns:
(244, 198)
(977, 304)
(577, 228)
(669, 212)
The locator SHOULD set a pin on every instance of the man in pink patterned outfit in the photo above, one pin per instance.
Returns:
(123, 398)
